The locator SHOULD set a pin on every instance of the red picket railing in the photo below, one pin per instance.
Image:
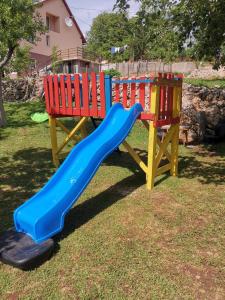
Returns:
(92, 95)
(75, 95)
(138, 90)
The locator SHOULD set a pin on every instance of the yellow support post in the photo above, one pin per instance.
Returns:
(177, 95)
(152, 138)
(83, 130)
(53, 134)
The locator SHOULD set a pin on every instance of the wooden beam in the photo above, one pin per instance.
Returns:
(164, 145)
(63, 127)
(163, 169)
(135, 156)
(70, 135)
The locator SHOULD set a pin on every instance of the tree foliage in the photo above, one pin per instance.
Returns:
(108, 30)
(148, 34)
(196, 27)
(18, 21)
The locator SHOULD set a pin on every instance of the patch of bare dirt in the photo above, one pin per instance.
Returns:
(204, 281)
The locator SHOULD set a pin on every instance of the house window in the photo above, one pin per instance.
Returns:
(53, 23)
(48, 40)
(48, 22)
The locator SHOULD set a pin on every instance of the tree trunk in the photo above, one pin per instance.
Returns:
(2, 110)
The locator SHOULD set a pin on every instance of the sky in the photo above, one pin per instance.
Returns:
(86, 10)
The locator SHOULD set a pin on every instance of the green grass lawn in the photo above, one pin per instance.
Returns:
(120, 241)
(210, 83)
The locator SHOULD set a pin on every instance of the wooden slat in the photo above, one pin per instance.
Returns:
(142, 93)
(132, 92)
(51, 95)
(63, 95)
(69, 95)
(85, 91)
(94, 108)
(46, 90)
(76, 109)
(125, 89)
(56, 93)
(117, 92)
(101, 112)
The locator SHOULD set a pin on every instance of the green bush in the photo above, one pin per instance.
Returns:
(113, 73)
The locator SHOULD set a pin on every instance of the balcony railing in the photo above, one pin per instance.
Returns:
(73, 53)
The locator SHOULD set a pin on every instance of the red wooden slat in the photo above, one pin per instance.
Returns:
(47, 100)
(76, 108)
(69, 96)
(94, 108)
(142, 93)
(101, 112)
(63, 95)
(125, 89)
(85, 92)
(117, 92)
(51, 95)
(56, 93)
(132, 92)
(147, 116)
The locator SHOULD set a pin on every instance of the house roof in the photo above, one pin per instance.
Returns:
(71, 15)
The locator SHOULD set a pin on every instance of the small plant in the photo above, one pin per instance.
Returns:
(113, 73)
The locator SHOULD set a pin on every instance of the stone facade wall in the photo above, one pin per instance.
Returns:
(21, 89)
(203, 109)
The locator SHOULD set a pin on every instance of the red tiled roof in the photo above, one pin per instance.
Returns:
(71, 15)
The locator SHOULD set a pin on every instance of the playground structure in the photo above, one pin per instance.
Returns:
(42, 216)
(93, 95)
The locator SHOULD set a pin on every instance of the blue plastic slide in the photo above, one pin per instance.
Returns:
(42, 216)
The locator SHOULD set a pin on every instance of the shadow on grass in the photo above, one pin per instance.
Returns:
(31, 168)
(84, 212)
(204, 171)
(21, 177)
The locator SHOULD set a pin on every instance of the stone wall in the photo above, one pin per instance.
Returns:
(20, 89)
(203, 109)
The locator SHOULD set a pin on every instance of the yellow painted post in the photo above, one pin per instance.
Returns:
(177, 95)
(83, 131)
(152, 143)
(53, 134)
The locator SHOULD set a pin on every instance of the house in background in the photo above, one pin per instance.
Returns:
(64, 34)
